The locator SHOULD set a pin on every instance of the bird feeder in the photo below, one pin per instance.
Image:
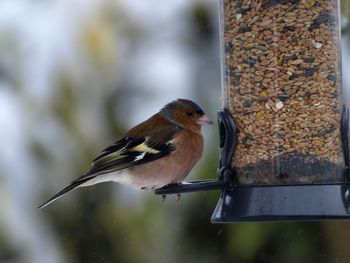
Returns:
(284, 148)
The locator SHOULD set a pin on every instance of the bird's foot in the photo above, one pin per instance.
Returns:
(178, 197)
(163, 198)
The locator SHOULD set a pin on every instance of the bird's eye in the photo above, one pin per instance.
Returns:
(189, 114)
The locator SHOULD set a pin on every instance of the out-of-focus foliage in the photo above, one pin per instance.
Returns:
(74, 75)
(345, 8)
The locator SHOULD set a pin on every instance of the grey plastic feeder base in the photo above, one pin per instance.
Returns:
(283, 202)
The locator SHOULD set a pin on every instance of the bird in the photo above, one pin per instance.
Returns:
(160, 151)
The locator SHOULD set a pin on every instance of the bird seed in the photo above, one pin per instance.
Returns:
(282, 72)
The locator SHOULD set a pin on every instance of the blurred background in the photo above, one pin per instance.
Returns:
(74, 76)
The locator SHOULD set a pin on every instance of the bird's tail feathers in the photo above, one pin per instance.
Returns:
(72, 186)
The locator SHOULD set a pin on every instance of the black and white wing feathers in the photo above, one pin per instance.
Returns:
(144, 143)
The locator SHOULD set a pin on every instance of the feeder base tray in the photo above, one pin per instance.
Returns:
(283, 203)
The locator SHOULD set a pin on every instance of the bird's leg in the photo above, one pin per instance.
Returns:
(178, 197)
(163, 198)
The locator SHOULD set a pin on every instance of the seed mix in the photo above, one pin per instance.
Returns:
(283, 87)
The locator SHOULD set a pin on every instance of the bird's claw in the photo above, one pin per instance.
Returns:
(163, 198)
(178, 197)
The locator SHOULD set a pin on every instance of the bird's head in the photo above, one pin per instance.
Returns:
(186, 113)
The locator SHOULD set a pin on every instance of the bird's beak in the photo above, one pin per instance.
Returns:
(204, 120)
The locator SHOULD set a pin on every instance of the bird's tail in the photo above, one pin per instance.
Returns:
(72, 186)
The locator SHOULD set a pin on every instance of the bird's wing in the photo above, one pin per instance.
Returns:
(135, 151)
(144, 143)
(132, 151)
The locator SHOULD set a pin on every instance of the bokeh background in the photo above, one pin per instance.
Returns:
(74, 76)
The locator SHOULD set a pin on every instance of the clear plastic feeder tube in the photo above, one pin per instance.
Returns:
(282, 84)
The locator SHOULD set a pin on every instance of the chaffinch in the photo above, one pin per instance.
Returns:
(159, 151)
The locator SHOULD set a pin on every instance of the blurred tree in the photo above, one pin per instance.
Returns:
(345, 8)
(86, 104)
